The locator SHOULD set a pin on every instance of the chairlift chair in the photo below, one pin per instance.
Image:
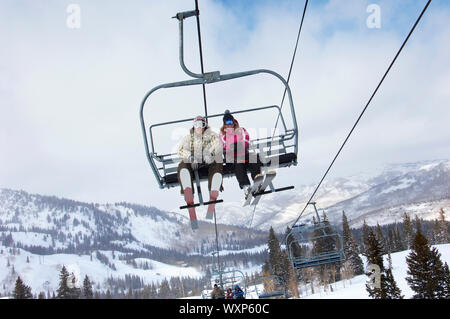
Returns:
(228, 279)
(281, 149)
(271, 294)
(306, 235)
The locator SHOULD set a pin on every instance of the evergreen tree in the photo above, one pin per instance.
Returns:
(381, 239)
(437, 235)
(418, 225)
(129, 294)
(443, 234)
(408, 230)
(22, 291)
(374, 254)
(165, 291)
(63, 291)
(392, 290)
(87, 288)
(398, 241)
(279, 263)
(275, 255)
(350, 248)
(67, 286)
(365, 236)
(426, 273)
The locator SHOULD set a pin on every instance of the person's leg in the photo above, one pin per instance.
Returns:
(215, 179)
(187, 189)
(255, 168)
(240, 171)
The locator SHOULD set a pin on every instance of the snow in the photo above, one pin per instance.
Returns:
(356, 287)
(42, 272)
(253, 250)
(404, 183)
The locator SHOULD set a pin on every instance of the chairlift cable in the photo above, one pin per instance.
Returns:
(287, 81)
(201, 58)
(365, 108)
(206, 116)
(292, 64)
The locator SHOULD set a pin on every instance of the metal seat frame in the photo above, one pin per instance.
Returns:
(163, 165)
(271, 294)
(303, 234)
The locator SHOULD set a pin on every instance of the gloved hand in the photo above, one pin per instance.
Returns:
(194, 165)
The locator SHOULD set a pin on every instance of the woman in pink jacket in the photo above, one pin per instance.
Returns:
(236, 142)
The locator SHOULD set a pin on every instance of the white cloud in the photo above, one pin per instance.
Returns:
(70, 98)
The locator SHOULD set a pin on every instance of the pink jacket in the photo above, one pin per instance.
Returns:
(240, 137)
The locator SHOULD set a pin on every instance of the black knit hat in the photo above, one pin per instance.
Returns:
(227, 117)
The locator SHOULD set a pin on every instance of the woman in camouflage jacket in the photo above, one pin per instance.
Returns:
(201, 149)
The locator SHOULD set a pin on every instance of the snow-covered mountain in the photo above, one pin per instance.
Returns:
(39, 234)
(382, 196)
(63, 225)
(422, 191)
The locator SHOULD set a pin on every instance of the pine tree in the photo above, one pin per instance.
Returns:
(350, 248)
(436, 239)
(443, 227)
(67, 288)
(275, 255)
(408, 230)
(280, 265)
(418, 224)
(365, 236)
(22, 291)
(392, 290)
(399, 242)
(165, 291)
(374, 254)
(426, 274)
(87, 288)
(381, 239)
(63, 291)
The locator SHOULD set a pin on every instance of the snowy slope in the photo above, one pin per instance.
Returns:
(356, 287)
(42, 272)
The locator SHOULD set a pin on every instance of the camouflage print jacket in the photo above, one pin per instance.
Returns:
(205, 148)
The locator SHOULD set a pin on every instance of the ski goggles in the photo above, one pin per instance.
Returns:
(229, 122)
(199, 124)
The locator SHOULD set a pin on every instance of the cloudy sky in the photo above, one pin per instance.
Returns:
(69, 97)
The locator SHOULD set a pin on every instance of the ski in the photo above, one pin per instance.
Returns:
(212, 207)
(268, 179)
(256, 183)
(193, 218)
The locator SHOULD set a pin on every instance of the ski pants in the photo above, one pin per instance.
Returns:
(211, 168)
(240, 169)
